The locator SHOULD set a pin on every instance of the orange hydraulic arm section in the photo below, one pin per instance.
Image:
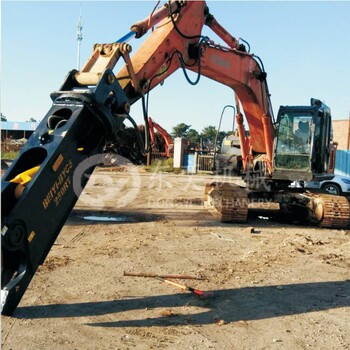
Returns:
(177, 43)
(165, 135)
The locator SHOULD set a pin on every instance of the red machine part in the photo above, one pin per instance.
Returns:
(168, 142)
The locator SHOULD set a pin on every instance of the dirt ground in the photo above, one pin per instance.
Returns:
(276, 286)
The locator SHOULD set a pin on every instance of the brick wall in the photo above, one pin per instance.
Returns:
(341, 131)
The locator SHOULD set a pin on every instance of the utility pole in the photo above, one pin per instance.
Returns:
(79, 35)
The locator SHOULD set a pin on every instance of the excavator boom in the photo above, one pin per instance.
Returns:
(177, 43)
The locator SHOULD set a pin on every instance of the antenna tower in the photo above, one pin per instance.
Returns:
(79, 35)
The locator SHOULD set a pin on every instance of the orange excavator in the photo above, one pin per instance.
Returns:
(42, 185)
(166, 149)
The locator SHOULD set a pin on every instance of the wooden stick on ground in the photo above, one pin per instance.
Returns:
(199, 293)
(141, 274)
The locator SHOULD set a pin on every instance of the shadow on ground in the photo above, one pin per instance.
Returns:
(229, 305)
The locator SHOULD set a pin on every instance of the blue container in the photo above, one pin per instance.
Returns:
(189, 163)
(342, 163)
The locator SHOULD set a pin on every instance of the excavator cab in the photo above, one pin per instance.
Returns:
(302, 142)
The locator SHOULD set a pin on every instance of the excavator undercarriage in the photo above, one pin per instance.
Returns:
(230, 203)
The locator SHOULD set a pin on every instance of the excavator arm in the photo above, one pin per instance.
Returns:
(152, 134)
(162, 132)
(177, 43)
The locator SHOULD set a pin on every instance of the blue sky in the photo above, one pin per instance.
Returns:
(304, 47)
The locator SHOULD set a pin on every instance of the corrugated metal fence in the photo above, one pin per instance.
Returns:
(342, 163)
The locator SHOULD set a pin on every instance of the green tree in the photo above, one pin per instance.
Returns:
(3, 118)
(180, 130)
(31, 120)
(193, 135)
(209, 133)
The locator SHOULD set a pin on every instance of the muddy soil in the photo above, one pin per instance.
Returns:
(276, 285)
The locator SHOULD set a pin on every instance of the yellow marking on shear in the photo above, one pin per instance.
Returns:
(31, 236)
(26, 176)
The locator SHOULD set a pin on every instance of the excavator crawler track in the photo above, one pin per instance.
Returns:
(329, 211)
(227, 201)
